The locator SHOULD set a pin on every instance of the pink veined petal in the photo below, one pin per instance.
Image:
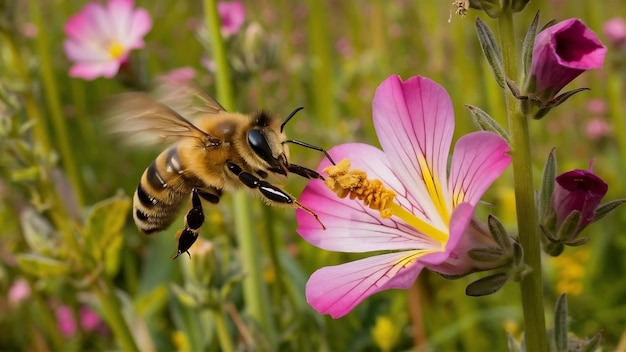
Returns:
(92, 70)
(415, 119)
(461, 217)
(350, 225)
(336, 290)
(478, 159)
(85, 51)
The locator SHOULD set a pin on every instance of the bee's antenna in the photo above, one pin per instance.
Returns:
(295, 111)
(310, 146)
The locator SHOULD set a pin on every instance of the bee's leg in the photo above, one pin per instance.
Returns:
(193, 221)
(210, 194)
(268, 190)
(304, 172)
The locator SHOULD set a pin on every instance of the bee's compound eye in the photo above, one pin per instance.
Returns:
(258, 143)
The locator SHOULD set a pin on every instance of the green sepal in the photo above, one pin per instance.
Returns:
(499, 234)
(528, 46)
(560, 323)
(487, 285)
(548, 180)
(577, 242)
(569, 228)
(40, 266)
(485, 254)
(547, 25)
(605, 209)
(487, 123)
(560, 99)
(518, 5)
(491, 50)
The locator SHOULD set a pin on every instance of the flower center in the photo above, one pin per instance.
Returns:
(354, 183)
(116, 50)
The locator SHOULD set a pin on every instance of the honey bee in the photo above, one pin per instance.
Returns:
(212, 151)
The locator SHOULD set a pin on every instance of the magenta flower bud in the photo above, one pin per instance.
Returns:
(561, 53)
(577, 190)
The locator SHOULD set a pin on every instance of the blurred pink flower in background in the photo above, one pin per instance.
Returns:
(179, 75)
(232, 16)
(100, 37)
(432, 210)
(597, 106)
(615, 30)
(561, 53)
(89, 321)
(597, 128)
(19, 291)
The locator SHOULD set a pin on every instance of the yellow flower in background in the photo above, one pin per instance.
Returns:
(385, 333)
(570, 271)
(179, 339)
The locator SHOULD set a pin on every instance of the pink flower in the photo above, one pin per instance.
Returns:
(426, 225)
(101, 37)
(561, 53)
(65, 321)
(179, 75)
(577, 190)
(232, 16)
(615, 30)
(19, 291)
(597, 128)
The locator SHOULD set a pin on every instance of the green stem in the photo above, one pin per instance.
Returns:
(531, 284)
(226, 344)
(52, 99)
(255, 292)
(113, 315)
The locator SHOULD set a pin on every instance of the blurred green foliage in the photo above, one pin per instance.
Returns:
(74, 242)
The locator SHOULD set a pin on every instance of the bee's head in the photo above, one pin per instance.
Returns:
(265, 140)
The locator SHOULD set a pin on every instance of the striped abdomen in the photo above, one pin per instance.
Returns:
(160, 192)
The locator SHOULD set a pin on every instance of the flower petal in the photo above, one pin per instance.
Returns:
(350, 225)
(479, 158)
(336, 290)
(92, 70)
(414, 121)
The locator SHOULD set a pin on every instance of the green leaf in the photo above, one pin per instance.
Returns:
(486, 285)
(104, 222)
(491, 50)
(560, 323)
(37, 231)
(113, 255)
(151, 302)
(548, 179)
(528, 46)
(40, 266)
(487, 123)
(499, 234)
(605, 209)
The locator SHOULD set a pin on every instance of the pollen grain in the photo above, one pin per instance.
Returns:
(354, 183)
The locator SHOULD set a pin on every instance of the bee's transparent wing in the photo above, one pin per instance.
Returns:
(189, 100)
(145, 120)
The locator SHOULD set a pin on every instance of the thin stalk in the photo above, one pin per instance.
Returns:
(255, 292)
(52, 99)
(223, 336)
(531, 284)
(113, 315)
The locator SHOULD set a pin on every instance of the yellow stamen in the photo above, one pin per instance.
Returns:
(116, 50)
(354, 183)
